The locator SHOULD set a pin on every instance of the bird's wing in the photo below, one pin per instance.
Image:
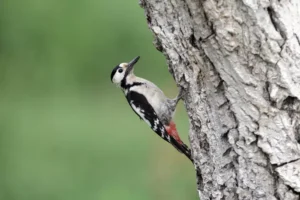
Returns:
(145, 111)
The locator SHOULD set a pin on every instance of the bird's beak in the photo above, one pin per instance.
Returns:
(131, 64)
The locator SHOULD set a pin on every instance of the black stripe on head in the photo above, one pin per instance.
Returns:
(114, 72)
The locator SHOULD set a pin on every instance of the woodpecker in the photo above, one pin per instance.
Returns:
(150, 104)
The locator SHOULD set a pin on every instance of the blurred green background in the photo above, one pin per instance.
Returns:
(67, 133)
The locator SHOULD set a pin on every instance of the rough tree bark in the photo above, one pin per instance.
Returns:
(239, 61)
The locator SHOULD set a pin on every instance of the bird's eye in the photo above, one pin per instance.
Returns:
(120, 70)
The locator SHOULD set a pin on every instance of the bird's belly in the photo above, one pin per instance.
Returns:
(161, 109)
(158, 101)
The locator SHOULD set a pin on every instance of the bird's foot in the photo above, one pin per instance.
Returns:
(181, 94)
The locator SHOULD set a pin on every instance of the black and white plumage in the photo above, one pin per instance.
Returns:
(150, 104)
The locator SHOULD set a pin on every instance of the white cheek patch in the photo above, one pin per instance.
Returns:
(118, 77)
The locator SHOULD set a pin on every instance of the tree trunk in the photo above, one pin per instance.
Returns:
(239, 61)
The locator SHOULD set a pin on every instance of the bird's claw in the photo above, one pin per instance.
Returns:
(181, 94)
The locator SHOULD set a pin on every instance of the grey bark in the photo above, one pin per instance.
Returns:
(239, 61)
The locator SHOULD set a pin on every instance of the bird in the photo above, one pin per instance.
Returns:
(150, 104)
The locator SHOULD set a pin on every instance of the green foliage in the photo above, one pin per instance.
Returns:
(65, 131)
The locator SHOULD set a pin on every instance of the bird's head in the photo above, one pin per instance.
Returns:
(122, 71)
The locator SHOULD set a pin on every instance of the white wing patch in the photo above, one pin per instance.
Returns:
(156, 122)
(162, 130)
(140, 112)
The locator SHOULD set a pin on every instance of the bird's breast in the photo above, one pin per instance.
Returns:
(155, 97)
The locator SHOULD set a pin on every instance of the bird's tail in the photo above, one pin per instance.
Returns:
(179, 145)
(187, 152)
(183, 148)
